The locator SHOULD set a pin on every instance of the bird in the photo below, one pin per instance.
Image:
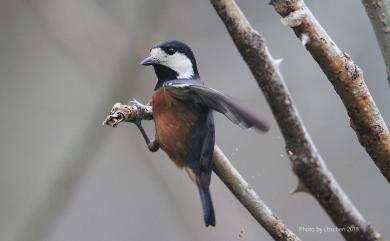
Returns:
(183, 116)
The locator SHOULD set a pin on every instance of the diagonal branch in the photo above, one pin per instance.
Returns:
(249, 198)
(379, 13)
(306, 161)
(227, 173)
(346, 77)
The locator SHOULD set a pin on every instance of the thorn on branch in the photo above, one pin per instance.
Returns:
(305, 39)
(300, 188)
(277, 62)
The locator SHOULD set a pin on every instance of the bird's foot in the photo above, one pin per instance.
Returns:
(140, 111)
(153, 146)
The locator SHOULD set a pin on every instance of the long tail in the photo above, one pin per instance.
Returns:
(207, 205)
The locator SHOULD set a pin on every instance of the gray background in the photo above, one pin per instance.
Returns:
(63, 176)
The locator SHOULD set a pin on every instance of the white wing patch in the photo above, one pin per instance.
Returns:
(178, 62)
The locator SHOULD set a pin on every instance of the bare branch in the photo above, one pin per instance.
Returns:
(126, 113)
(227, 173)
(379, 13)
(306, 161)
(249, 198)
(347, 79)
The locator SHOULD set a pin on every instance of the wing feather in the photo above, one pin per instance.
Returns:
(215, 100)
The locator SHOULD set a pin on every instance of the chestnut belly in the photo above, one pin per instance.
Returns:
(174, 122)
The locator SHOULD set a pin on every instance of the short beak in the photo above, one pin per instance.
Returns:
(150, 61)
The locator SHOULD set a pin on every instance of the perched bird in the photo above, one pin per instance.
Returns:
(182, 112)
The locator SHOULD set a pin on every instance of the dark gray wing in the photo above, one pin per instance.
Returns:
(202, 95)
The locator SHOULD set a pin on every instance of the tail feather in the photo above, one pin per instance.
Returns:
(207, 205)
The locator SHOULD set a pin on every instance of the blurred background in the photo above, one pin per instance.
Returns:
(64, 176)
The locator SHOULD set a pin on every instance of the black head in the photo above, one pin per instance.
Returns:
(172, 60)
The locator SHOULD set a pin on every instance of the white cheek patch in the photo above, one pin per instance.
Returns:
(159, 54)
(178, 62)
(181, 64)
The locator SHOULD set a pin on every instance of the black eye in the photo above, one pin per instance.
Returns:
(171, 51)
